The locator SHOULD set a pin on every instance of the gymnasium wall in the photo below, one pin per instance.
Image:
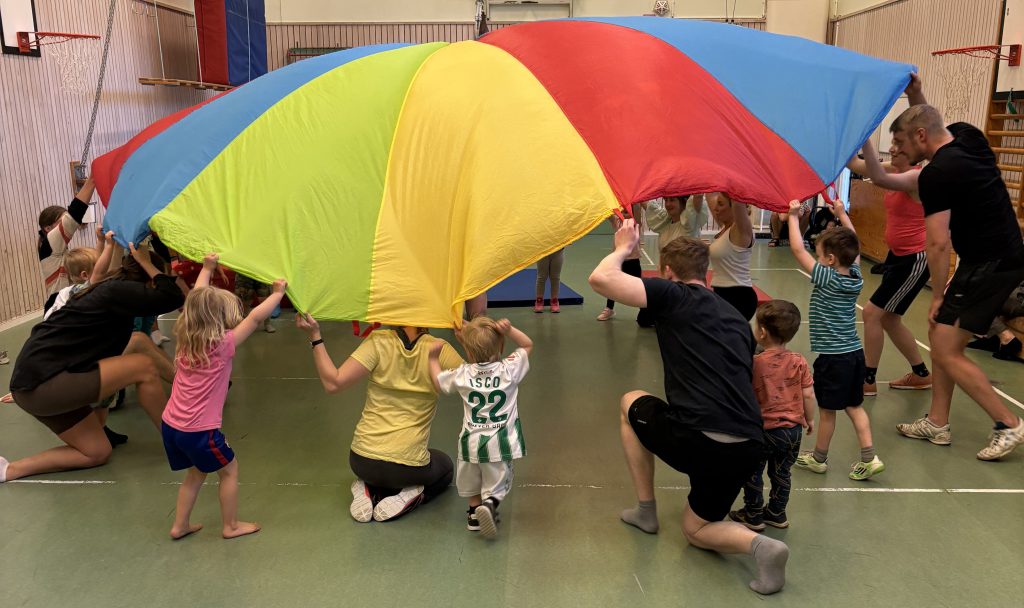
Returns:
(43, 127)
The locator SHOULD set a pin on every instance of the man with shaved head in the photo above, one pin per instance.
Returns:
(967, 206)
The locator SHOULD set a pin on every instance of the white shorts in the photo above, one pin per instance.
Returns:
(488, 479)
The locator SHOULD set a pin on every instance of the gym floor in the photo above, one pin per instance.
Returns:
(937, 528)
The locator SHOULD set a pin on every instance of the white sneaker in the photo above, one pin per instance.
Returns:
(922, 428)
(362, 503)
(4, 359)
(269, 327)
(3, 469)
(393, 506)
(158, 337)
(1003, 442)
(606, 314)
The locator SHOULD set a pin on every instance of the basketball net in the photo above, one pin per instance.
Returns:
(77, 62)
(963, 75)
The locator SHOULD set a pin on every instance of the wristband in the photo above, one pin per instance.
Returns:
(316, 342)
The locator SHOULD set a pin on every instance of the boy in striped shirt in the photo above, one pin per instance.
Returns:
(839, 368)
(491, 434)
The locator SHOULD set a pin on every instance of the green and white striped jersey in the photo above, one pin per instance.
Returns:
(490, 424)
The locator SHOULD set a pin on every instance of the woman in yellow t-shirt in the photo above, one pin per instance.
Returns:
(395, 471)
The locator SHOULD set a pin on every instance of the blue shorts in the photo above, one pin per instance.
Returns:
(207, 451)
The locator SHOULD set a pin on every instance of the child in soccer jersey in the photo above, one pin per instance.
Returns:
(785, 392)
(839, 369)
(491, 434)
(209, 329)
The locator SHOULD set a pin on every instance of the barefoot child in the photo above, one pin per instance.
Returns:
(839, 369)
(785, 392)
(491, 436)
(209, 329)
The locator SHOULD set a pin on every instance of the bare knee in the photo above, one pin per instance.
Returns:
(627, 402)
(98, 455)
(891, 320)
(873, 315)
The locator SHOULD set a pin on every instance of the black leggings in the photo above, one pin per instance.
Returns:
(742, 298)
(388, 478)
(632, 268)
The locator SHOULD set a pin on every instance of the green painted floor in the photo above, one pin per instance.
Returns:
(561, 544)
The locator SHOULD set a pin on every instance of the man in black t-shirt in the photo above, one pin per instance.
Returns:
(710, 427)
(967, 206)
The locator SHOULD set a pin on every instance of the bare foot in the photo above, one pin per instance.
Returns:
(242, 528)
(177, 534)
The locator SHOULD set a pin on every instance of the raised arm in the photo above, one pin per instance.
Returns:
(334, 379)
(915, 90)
(796, 238)
(102, 267)
(521, 340)
(257, 315)
(210, 263)
(434, 362)
(608, 279)
(742, 234)
(900, 182)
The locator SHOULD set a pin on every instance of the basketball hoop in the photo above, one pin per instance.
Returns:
(74, 60)
(962, 75)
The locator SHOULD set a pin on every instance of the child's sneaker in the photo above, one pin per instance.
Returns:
(807, 461)
(870, 390)
(554, 305)
(922, 428)
(269, 327)
(865, 470)
(606, 314)
(912, 382)
(775, 520)
(472, 523)
(748, 519)
(4, 359)
(362, 502)
(487, 516)
(3, 469)
(538, 305)
(393, 506)
(1003, 442)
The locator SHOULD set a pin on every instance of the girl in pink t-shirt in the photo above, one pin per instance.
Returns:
(209, 329)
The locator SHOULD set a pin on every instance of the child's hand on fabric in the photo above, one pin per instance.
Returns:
(307, 323)
(211, 261)
(838, 208)
(795, 209)
(279, 286)
(141, 255)
(108, 238)
(504, 326)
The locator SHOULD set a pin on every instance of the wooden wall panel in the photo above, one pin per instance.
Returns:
(43, 127)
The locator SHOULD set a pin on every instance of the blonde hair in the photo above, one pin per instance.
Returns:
(482, 340)
(209, 312)
(79, 260)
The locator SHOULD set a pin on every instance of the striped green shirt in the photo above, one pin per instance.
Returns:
(491, 431)
(833, 318)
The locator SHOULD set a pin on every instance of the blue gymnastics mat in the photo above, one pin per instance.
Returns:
(518, 290)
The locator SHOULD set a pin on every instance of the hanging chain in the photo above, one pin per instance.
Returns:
(99, 86)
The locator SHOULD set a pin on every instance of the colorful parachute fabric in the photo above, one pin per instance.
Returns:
(391, 183)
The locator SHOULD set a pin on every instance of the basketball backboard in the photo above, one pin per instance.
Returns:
(17, 16)
(1013, 33)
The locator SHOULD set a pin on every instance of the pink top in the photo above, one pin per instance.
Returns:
(904, 223)
(198, 393)
(780, 377)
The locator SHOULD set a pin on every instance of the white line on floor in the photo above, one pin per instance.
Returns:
(926, 347)
(637, 579)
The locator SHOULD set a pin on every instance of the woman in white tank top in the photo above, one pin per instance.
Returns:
(730, 254)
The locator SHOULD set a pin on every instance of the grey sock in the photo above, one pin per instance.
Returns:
(820, 456)
(867, 454)
(771, 556)
(644, 516)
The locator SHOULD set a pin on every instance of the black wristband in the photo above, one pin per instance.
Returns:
(314, 343)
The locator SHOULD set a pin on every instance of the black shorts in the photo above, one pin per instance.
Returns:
(978, 291)
(742, 298)
(903, 279)
(62, 401)
(717, 470)
(839, 380)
